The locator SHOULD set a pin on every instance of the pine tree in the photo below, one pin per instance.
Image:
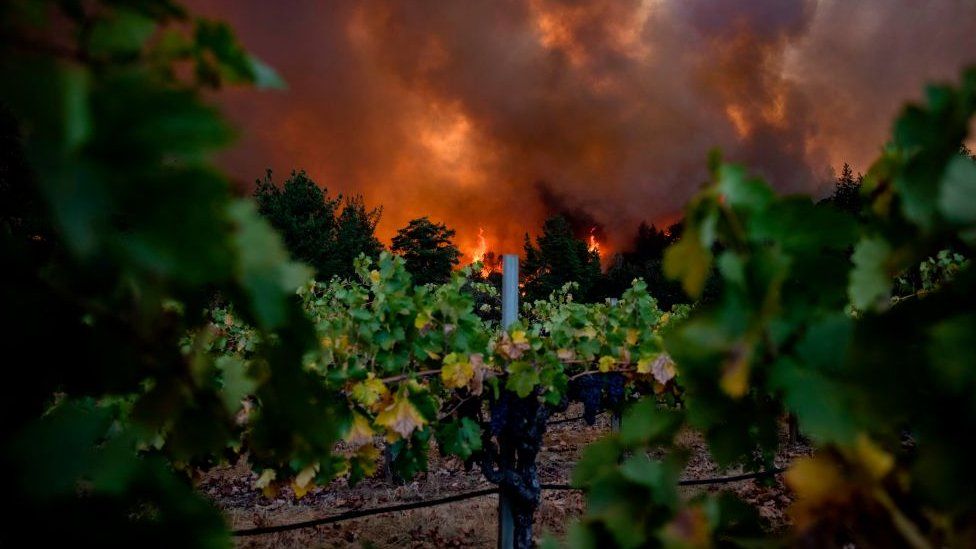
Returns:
(428, 250)
(847, 192)
(355, 236)
(559, 257)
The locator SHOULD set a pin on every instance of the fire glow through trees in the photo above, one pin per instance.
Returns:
(493, 115)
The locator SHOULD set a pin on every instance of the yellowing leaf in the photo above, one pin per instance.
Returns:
(588, 331)
(632, 336)
(266, 483)
(476, 385)
(374, 276)
(300, 491)
(876, 461)
(606, 363)
(688, 528)
(401, 416)
(369, 392)
(735, 374)
(814, 479)
(360, 432)
(688, 261)
(644, 364)
(510, 348)
(302, 482)
(663, 369)
(422, 320)
(326, 342)
(368, 456)
(307, 474)
(456, 372)
(664, 319)
(818, 483)
(565, 354)
(265, 478)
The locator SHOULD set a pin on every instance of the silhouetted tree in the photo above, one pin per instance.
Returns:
(559, 257)
(847, 192)
(304, 215)
(355, 235)
(314, 229)
(428, 250)
(645, 260)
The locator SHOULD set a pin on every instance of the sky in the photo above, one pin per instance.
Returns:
(494, 114)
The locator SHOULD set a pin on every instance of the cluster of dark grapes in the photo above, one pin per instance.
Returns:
(597, 392)
(500, 412)
(615, 389)
(589, 391)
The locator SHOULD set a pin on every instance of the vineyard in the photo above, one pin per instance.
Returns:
(176, 378)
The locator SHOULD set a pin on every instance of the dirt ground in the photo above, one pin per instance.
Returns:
(469, 523)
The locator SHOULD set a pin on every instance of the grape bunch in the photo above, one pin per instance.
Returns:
(614, 390)
(500, 412)
(588, 389)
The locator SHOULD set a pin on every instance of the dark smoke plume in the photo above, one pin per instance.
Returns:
(456, 109)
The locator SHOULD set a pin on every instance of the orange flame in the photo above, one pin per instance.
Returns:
(482, 249)
(482, 254)
(594, 245)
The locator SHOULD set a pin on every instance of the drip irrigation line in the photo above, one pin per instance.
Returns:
(360, 513)
(692, 481)
(564, 420)
(571, 419)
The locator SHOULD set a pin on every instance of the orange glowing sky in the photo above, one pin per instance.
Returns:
(490, 115)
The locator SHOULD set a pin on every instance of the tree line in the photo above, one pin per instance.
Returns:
(328, 233)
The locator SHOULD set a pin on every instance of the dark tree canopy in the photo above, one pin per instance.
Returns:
(355, 235)
(314, 229)
(428, 250)
(556, 258)
(645, 260)
(847, 192)
(303, 214)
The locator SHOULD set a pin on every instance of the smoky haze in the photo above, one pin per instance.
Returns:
(458, 110)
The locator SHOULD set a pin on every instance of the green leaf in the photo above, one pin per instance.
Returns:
(236, 383)
(122, 32)
(688, 261)
(598, 459)
(660, 476)
(71, 429)
(870, 281)
(741, 192)
(263, 265)
(265, 76)
(461, 438)
(644, 424)
(522, 378)
(957, 195)
(822, 406)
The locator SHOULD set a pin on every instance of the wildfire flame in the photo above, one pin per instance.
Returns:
(482, 254)
(594, 244)
(482, 249)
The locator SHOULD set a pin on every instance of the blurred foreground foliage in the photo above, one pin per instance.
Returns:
(117, 232)
(812, 319)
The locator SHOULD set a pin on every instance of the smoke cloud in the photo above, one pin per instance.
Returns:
(458, 110)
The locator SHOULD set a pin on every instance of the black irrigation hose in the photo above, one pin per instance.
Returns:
(570, 419)
(363, 513)
(461, 497)
(693, 481)
(565, 420)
